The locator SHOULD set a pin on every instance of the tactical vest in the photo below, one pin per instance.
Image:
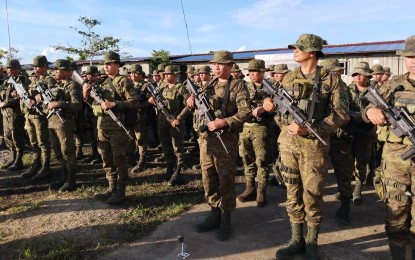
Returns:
(174, 98)
(256, 97)
(107, 94)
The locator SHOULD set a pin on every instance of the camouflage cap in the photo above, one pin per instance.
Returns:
(377, 69)
(171, 70)
(135, 68)
(62, 64)
(235, 68)
(112, 57)
(332, 64)
(222, 57)
(13, 64)
(362, 68)
(190, 69)
(409, 47)
(271, 69)
(256, 65)
(155, 73)
(204, 70)
(40, 61)
(74, 66)
(161, 67)
(387, 70)
(281, 68)
(309, 43)
(92, 70)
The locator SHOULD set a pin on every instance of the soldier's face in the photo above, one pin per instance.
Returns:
(410, 64)
(385, 77)
(302, 56)
(236, 75)
(156, 78)
(360, 80)
(111, 68)
(205, 76)
(136, 77)
(170, 78)
(377, 77)
(40, 71)
(256, 76)
(222, 70)
(279, 76)
(61, 74)
(196, 78)
(12, 72)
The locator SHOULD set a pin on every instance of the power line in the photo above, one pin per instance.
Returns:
(8, 31)
(187, 31)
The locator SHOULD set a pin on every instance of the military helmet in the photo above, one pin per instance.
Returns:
(62, 64)
(409, 47)
(256, 65)
(377, 69)
(40, 61)
(362, 68)
(309, 43)
(13, 64)
(281, 68)
(222, 57)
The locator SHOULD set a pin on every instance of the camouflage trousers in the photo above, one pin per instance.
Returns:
(219, 169)
(273, 131)
(112, 145)
(361, 148)
(37, 130)
(62, 141)
(252, 149)
(304, 167)
(13, 132)
(171, 140)
(140, 132)
(400, 216)
(343, 164)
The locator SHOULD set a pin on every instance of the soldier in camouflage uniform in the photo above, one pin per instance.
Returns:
(280, 71)
(66, 102)
(229, 98)
(140, 129)
(237, 72)
(377, 74)
(252, 140)
(386, 75)
(119, 95)
(171, 132)
(13, 119)
(190, 72)
(37, 125)
(397, 175)
(303, 156)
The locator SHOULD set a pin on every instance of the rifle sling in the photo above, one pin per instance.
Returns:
(314, 94)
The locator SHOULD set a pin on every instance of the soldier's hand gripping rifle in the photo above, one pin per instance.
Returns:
(47, 99)
(401, 123)
(203, 108)
(96, 95)
(23, 95)
(161, 103)
(285, 104)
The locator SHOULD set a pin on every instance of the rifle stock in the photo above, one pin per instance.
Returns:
(23, 95)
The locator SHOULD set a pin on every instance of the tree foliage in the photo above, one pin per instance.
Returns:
(92, 44)
(8, 55)
(159, 57)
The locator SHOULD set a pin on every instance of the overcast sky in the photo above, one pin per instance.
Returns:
(35, 25)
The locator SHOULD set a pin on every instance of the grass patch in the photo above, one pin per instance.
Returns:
(33, 205)
(62, 249)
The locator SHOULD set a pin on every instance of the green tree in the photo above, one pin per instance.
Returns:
(159, 57)
(92, 44)
(8, 55)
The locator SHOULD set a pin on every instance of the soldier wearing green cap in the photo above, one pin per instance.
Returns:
(397, 175)
(12, 118)
(140, 127)
(253, 139)
(37, 125)
(229, 98)
(386, 76)
(190, 72)
(119, 95)
(280, 70)
(171, 132)
(303, 156)
(377, 74)
(236, 72)
(204, 74)
(66, 103)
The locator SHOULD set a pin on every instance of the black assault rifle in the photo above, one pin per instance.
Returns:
(96, 95)
(285, 104)
(47, 99)
(23, 95)
(161, 103)
(203, 108)
(401, 123)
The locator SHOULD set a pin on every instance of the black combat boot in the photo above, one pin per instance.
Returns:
(141, 165)
(295, 246)
(225, 227)
(177, 178)
(357, 193)
(33, 168)
(18, 163)
(169, 171)
(249, 193)
(96, 157)
(10, 162)
(70, 183)
(398, 253)
(261, 197)
(118, 196)
(112, 188)
(311, 251)
(343, 213)
(369, 178)
(44, 170)
(212, 222)
(64, 176)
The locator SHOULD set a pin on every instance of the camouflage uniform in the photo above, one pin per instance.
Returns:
(13, 120)
(304, 159)
(37, 125)
(397, 174)
(112, 139)
(67, 94)
(253, 143)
